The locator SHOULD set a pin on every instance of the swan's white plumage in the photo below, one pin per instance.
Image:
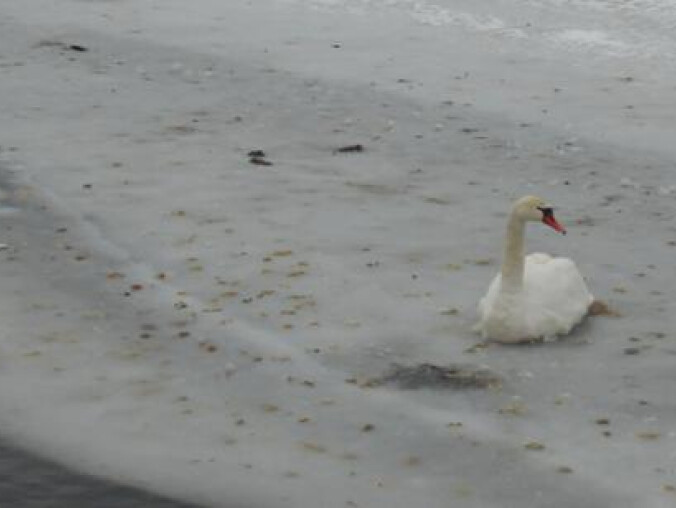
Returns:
(553, 299)
(536, 296)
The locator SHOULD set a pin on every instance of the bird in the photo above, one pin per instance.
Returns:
(534, 297)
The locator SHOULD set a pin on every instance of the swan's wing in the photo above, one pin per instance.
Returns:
(556, 294)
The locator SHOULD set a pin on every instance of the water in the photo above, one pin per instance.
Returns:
(27, 481)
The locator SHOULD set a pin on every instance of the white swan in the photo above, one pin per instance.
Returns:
(536, 297)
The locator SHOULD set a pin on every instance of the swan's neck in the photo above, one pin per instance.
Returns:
(513, 259)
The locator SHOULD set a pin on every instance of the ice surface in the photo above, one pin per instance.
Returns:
(179, 318)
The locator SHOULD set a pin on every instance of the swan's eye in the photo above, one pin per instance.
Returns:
(547, 211)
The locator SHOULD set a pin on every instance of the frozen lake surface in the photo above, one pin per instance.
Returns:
(201, 290)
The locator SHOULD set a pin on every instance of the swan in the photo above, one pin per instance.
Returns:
(534, 297)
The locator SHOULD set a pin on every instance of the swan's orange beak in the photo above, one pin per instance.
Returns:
(549, 219)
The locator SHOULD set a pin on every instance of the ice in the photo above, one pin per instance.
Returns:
(590, 39)
(182, 318)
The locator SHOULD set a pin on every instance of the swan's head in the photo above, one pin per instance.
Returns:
(535, 209)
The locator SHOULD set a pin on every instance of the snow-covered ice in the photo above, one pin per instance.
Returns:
(182, 319)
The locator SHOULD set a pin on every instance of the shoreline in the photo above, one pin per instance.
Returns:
(29, 481)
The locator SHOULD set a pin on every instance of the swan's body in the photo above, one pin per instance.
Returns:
(536, 296)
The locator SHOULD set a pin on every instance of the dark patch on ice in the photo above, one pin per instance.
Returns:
(350, 149)
(62, 45)
(259, 161)
(258, 158)
(78, 47)
(449, 377)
